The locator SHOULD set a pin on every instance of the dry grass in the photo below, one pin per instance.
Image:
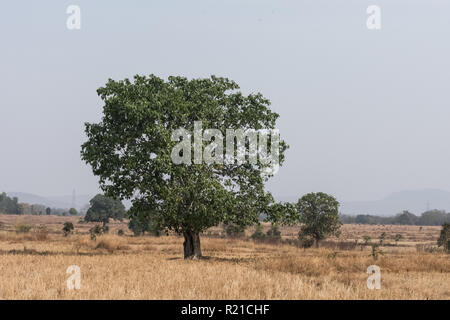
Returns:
(114, 267)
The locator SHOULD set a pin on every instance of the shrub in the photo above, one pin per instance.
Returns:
(274, 232)
(382, 237)
(233, 230)
(22, 227)
(67, 228)
(258, 234)
(41, 232)
(306, 240)
(95, 231)
(397, 238)
(376, 252)
(140, 226)
(120, 232)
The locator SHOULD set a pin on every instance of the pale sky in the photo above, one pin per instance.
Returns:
(365, 112)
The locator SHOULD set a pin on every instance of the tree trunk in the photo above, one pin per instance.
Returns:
(191, 245)
(317, 243)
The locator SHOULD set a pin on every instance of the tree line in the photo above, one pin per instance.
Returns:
(10, 205)
(427, 218)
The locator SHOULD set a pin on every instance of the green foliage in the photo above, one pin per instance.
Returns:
(103, 208)
(318, 213)
(274, 232)
(382, 237)
(366, 239)
(306, 240)
(95, 231)
(67, 228)
(142, 222)
(9, 205)
(73, 211)
(428, 218)
(259, 233)
(233, 230)
(130, 151)
(444, 237)
(376, 251)
(23, 227)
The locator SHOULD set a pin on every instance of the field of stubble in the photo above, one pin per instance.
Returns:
(127, 267)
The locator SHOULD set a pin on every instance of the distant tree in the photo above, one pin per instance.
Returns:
(67, 228)
(433, 218)
(104, 208)
(319, 215)
(444, 237)
(406, 218)
(274, 232)
(9, 205)
(140, 223)
(259, 233)
(233, 230)
(48, 211)
(73, 211)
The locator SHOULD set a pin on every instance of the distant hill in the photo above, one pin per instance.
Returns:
(415, 201)
(63, 202)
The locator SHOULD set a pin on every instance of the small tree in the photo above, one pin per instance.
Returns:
(397, 238)
(376, 252)
(319, 215)
(48, 211)
(95, 231)
(382, 237)
(140, 225)
(444, 237)
(233, 230)
(366, 239)
(274, 232)
(73, 211)
(67, 228)
(259, 233)
(103, 208)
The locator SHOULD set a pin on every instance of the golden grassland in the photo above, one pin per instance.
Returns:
(127, 267)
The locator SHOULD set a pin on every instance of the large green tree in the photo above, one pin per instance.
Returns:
(319, 215)
(130, 151)
(103, 208)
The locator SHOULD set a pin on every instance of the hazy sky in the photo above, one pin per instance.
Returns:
(365, 112)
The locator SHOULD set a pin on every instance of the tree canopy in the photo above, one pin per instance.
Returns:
(319, 215)
(130, 151)
(103, 208)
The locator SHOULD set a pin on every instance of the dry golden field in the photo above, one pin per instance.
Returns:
(33, 266)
